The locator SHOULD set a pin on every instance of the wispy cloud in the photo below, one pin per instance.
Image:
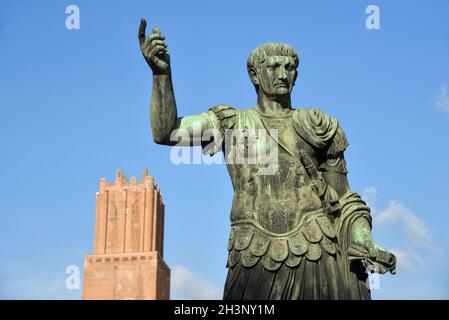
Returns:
(189, 286)
(407, 261)
(442, 100)
(415, 229)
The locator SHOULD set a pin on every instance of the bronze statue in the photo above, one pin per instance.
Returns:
(297, 232)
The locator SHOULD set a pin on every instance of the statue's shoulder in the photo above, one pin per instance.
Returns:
(225, 114)
(313, 116)
(229, 116)
(320, 130)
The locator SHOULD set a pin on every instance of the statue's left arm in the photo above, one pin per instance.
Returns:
(352, 208)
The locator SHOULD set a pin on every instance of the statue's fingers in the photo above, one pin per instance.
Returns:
(157, 50)
(155, 36)
(152, 46)
(156, 30)
(141, 33)
(158, 43)
(147, 51)
(144, 44)
(149, 45)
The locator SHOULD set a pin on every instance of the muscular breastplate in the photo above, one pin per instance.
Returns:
(276, 217)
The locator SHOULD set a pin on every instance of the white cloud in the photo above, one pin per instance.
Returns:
(442, 101)
(185, 285)
(416, 230)
(407, 261)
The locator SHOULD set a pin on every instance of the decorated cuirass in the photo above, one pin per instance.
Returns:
(279, 214)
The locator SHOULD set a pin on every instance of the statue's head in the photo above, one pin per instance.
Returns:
(272, 68)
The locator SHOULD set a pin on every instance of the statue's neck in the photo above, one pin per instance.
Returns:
(269, 106)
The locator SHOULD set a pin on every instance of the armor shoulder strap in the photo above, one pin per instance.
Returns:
(226, 116)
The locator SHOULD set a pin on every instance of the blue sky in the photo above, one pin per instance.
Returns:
(74, 108)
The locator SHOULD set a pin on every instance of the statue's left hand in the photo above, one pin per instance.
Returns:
(371, 253)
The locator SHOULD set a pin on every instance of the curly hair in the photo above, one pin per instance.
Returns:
(258, 56)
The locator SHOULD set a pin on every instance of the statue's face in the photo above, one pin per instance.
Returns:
(277, 76)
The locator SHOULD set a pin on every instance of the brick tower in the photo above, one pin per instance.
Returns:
(127, 262)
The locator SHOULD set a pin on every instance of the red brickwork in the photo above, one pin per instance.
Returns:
(127, 262)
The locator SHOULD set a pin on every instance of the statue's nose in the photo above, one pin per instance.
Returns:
(282, 74)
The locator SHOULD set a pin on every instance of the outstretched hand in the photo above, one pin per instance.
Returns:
(154, 49)
(372, 253)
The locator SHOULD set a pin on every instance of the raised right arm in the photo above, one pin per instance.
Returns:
(166, 126)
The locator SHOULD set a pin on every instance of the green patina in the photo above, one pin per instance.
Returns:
(297, 230)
